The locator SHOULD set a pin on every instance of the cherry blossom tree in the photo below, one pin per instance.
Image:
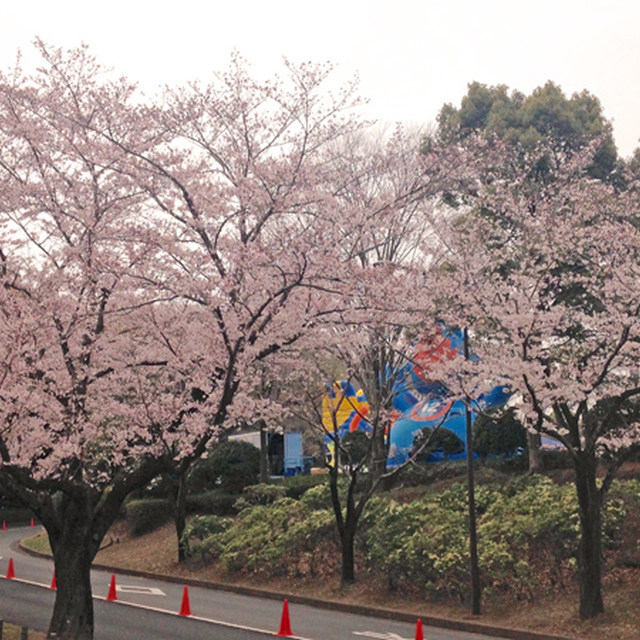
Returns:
(370, 360)
(152, 257)
(391, 194)
(546, 280)
(71, 341)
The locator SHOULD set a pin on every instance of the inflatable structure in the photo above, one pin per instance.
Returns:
(418, 401)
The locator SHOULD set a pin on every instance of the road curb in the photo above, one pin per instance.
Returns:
(469, 626)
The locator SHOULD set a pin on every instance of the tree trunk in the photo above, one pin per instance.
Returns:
(590, 550)
(264, 454)
(347, 540)
(179, 506)
(74, 546)
(72, 617)
(346, 523)
(536, 461)
(379, 454)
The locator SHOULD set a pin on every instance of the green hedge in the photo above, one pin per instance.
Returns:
(218, 503)
(144, 516)
(229, 467)
(528, 530)
(15, 515)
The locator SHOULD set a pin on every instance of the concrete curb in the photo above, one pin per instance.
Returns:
(469, 626)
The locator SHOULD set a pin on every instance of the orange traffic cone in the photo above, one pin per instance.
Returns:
(419, 635)
(112, 589)
(4, 525)
(185, 609)
(33, 524)
(285, 623)
(54, 582)
(10, 572)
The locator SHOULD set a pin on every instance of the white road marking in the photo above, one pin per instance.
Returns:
(221, 623)
(380, 636)
(146, 591)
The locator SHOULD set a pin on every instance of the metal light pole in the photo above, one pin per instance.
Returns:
(473, 537)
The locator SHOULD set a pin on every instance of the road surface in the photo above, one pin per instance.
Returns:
(149, 608)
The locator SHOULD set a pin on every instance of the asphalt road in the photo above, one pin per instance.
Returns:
(149, 608)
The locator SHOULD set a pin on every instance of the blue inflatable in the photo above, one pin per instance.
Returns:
(423, 402)
(418, 401)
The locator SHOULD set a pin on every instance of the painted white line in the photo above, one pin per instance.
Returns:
(174, 613)
(380, 636)
(217, 622)
(143, 591)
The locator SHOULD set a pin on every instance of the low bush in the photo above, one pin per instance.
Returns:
(297, 486)
(285, 537)
(528, 532)
(217, 503)
(198, 530)
(423, 474)
(15, 515)
(229, 466)
(144, 516)
(259, 494)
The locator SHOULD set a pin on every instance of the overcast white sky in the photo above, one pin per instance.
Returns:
(412, 55)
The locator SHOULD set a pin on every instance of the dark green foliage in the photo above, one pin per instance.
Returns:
(14, 515)
(528, 530)
(499, 435)
(212, 502)
(297, 486)
(283, 538)
(424, 474)
(231, 466)
(198, 530)
(547, 116)
(442, 439)
(144, 516)
(355, 448)
(259, 495)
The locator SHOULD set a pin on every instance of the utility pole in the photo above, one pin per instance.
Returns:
(473, 536)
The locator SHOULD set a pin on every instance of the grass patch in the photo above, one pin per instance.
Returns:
(39, 543)
(10, 631)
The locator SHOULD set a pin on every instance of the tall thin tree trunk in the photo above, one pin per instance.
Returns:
(264, 453)
(536, 461)
(179, 507)
(590, 550)
(347, 540)
(378, 457)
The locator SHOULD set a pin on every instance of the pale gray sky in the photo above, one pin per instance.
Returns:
(412, 55)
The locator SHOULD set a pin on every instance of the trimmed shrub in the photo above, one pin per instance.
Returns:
(216, 503)
(297, 486)
(259, 494)
(15, 515)
(198, 530)
(443, 440)
(502, 435)
(144, 516)
(428, 473)
(230, 467)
